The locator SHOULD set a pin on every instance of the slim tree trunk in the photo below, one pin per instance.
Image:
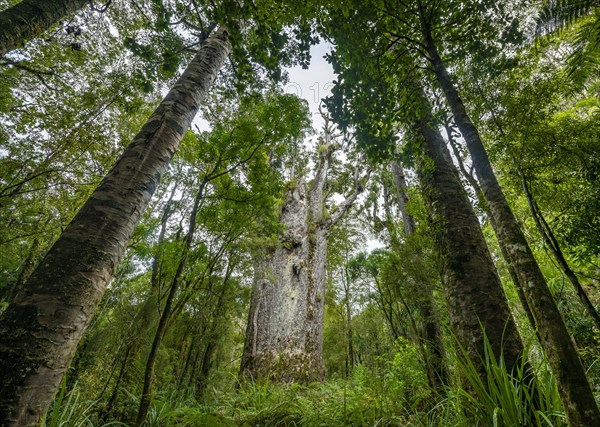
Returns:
(41, 328)
(31, 18)
(473, 288)
(552, 244)
(107, 412)
(576, 394)
(432, 334)
(348, 308)
(149, 310)
(212, 336)
(27, 266)
(402, 197)
(168, 308)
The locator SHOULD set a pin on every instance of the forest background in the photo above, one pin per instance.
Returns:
(270, 213)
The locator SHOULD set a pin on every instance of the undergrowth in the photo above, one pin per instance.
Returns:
(395, 393)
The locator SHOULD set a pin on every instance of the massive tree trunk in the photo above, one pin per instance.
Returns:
(284, 337)
(473, 289)
(41, 328)
(483, 205)
(30, 18)
(578, 400)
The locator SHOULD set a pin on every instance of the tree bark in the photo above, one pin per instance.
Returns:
(284, 336)
(483, 205)
(473, 289)
(576, 394)
(431, 334)
(552, 244)
(31, 18)
(40, 329)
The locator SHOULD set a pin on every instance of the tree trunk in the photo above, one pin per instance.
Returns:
(348, 309)
(40, 329)
(576, 394)
(146, 397)
(432, 334)
(552, 244)
(284, 336)
(483, 205)
(473, 289)
(212, 336)
(31, 18)
(402, 197)
(108, 410)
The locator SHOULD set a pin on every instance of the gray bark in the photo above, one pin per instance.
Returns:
(473, 288)
(41, 328)
(483, 205)
(284, 336)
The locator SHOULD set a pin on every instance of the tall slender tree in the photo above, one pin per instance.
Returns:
(563, 358)
(41, 328)
(431, 334)
(416, 30)
(473, 288)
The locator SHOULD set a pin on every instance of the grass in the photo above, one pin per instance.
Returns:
(394, 394)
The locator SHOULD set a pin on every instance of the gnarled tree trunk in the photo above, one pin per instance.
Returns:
(284, 336)
(41, 328)
(30, 18)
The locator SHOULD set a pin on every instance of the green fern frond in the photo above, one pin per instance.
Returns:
(559, 14)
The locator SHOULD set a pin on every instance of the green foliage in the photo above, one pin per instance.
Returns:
(68, 410)
(69, 103)
(559, 16)
(362, 399)
(505, 400)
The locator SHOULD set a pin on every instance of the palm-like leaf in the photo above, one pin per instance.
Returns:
(559, 15)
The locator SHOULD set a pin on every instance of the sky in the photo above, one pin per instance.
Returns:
(313, 84)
